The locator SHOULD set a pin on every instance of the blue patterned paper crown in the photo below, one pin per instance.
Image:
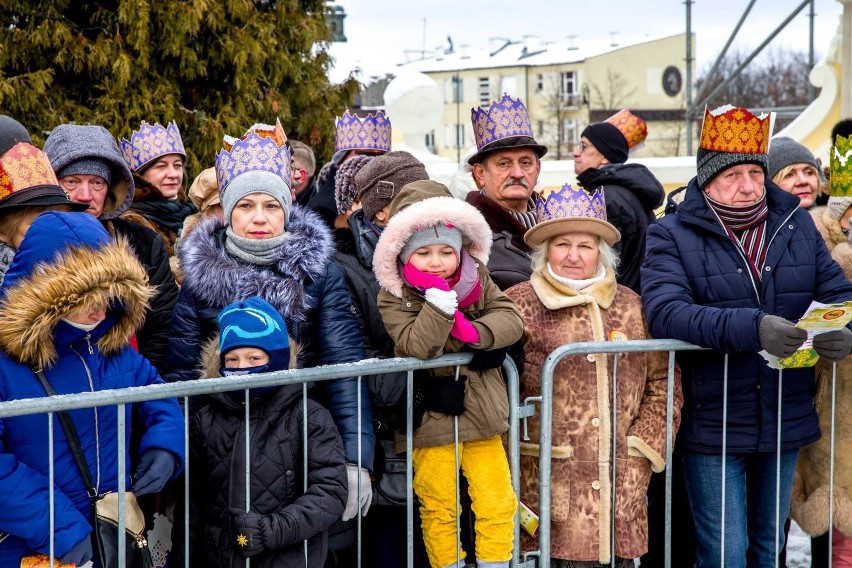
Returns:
(252, 152)
(506, 118)
(372, 132)
(150, 142)
(571, 210)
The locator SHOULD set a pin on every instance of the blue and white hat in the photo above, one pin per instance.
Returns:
(255, 323)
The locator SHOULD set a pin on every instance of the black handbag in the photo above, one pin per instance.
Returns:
(105, 507)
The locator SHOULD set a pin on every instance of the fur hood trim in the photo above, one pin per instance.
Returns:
(209, 366)
(78, 278)
(476, 235)
(219, 279)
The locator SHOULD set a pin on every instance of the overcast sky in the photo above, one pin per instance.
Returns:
(380, 31)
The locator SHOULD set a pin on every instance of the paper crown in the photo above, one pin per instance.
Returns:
(841, 168)
(373, 132)
(150, 142)
(634, 129)
(25, 167)
(503, 119)
(262, 148)
(735, 130)
(571, 210)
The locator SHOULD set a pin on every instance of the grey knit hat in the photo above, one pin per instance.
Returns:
(378, 182)
(11, 132)
(69, 143)
(436, 234)
(837, 206)
(256, 181)
(784, 151)
(711, 163)
(87, 167)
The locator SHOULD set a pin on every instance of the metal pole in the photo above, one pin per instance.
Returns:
(689, 110)
(811, 16)
(457, 97)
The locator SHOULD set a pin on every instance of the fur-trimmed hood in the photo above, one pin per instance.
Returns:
(66, 262)
(419, 205)
(219, 279)
(68, 143)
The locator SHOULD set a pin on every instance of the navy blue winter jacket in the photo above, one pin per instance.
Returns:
(697, 287)
(307, 288)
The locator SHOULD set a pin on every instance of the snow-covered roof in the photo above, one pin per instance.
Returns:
(502, 52)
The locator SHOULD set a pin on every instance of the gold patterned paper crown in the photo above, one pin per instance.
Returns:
(571, 210)
(150, 142)
(735, 130)
(25, 167)
(373, 132)
(506, 118)
(260, 149)
(634, 129)
(840, 159)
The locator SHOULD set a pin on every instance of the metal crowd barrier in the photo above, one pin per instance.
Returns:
(518, 412)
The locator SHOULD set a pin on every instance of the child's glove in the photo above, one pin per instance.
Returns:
(422, 280)
(155, 468)
(250, 530)
(463, 330)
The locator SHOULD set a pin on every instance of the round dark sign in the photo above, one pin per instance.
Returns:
(672, 81)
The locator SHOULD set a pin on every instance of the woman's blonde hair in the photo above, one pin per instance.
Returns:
(608, 255)
(10, 219)
(822, 183)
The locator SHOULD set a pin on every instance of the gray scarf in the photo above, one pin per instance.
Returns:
(263, 252)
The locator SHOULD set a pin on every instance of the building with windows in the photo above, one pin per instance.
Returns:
(565, 85)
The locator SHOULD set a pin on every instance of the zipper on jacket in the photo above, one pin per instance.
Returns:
(89, 345)
(95, 411)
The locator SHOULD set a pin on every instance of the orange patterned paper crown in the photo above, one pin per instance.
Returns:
(634, 129)
(735, 130)
(25, 167)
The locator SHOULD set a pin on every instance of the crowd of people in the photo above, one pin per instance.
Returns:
(117, 272)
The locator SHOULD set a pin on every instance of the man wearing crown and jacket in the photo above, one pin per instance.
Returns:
(632, 192)
(731, 270)
(506, 167)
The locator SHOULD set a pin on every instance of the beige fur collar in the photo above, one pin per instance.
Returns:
(555, 295)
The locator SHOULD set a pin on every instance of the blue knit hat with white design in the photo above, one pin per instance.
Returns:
(255, 323)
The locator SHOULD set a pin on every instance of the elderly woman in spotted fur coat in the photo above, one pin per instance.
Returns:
(572, 296)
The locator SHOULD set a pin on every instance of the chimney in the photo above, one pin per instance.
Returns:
(531, 44)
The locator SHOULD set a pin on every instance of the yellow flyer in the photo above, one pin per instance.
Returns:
(819, 318)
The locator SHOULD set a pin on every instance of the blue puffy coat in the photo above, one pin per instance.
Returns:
(307, 288)
(33, 335)
(697, 287)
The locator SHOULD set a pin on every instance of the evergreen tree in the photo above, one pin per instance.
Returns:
(215, 67)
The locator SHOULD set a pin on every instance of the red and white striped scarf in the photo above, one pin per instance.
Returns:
(747, 228)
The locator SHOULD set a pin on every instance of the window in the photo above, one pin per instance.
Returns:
(453, 90)
(540, 128)
(430, 141)
(569, 132)
(568, 87)
(484, 92)
(539, 82)
(459, 136)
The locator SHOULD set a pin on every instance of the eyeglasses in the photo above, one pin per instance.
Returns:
(583, 146)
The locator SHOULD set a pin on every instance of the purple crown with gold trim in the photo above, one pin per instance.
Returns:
(253, 152)
(372, 132)
(505, 118)
(568, 203)
(150, 142)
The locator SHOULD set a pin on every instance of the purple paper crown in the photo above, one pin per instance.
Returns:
(372, 132)
(252, 153)
(506, 118)
(569, 203)
(150, 142)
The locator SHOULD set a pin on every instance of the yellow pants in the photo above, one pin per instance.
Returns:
(486, 468)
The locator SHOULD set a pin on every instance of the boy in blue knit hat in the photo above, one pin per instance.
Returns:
(287, 507)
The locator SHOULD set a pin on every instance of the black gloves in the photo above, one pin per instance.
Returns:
(444, 394)
(780, 337)
(155, 468)
(484, 360)
(834, 345)
(250, 530)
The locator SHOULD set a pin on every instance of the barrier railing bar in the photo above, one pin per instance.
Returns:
(667, 559)
(831, 464)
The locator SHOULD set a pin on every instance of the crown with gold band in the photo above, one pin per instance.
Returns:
(373, 132)
(633, 128)
(571, 210)
(506, 118)
(735, 130)
(150, 142)
(262, 148)
(840, 160)
(25, 167)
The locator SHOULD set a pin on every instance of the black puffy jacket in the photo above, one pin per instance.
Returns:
(295, 512)
(307, 288)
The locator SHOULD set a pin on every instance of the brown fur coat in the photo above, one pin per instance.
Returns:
(809, 505)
